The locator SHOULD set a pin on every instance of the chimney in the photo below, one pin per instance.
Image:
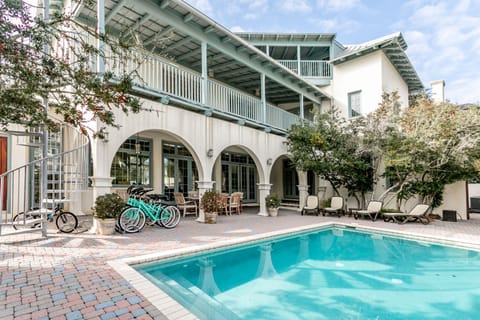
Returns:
(438, 91)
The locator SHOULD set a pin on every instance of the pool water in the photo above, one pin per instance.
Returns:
(326, 274)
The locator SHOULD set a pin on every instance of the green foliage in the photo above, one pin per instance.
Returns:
(424, 148)
(211, 201)
(108, 206)
(34, 67)
(272, 201)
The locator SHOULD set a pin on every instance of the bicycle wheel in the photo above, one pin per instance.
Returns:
(132, 220)
(170, 217)
(21, 217)
(66, 222)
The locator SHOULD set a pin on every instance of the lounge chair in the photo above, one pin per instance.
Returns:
(336, 207)
(311, 205)
(419, 212)
(373, 210)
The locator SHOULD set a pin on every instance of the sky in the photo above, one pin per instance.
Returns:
(443, 36)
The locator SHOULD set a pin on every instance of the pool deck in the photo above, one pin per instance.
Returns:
(71, 276)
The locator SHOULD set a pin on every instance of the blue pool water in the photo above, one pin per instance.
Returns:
(326, 274)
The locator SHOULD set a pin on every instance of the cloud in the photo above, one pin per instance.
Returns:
(295, 6)
(443, 39)
(338, 5)
(237, 29)
(336, 25)
(203, 5)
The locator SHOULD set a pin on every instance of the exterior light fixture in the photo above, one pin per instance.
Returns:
(269, 161)
(210, 153)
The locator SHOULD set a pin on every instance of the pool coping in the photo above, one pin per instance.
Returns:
(175, 311)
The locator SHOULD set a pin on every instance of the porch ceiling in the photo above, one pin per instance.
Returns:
(175, 30)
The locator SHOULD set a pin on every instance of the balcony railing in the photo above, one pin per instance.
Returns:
(309, 68)
(153, 73)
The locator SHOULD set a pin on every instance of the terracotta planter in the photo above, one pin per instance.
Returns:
(210, 217)
(272, 212)
(104, 226)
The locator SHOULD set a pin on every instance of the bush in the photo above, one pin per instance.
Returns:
(211, 202)
(108, 206)
(272, 201)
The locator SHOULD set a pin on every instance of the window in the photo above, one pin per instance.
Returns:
(355, 104)
(132, 162)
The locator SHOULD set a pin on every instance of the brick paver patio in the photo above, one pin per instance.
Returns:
(67, 276)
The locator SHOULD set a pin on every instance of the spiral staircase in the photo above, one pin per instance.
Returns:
(44, 183)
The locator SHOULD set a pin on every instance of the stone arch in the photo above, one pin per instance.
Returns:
(258, 163)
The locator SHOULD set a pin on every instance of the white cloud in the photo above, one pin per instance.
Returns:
(237, 29)
(295, 6)
(337, 25)
(338, 5)
(443, 39)
(203, 5)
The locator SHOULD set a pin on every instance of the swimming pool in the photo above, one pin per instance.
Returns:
(325, 274)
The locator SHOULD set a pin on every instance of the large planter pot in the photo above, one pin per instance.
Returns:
(272, 212)
(104, 226)
(210, 217)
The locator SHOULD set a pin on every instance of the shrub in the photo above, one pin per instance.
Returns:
(108, 206)
(211, 202)
(272, 201)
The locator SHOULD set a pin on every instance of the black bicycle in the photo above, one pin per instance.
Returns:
(66, 221)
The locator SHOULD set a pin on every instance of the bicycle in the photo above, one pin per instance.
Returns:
(66, 221)
(146, 209)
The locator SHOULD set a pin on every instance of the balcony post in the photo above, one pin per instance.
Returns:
(204, 97)
(101, 32)
(299, 72)
(263, 98)
(267, 50)
(302, 113)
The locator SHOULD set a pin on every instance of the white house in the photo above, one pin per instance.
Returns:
(217, 110)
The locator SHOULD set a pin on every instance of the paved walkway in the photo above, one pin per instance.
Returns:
(67, 277)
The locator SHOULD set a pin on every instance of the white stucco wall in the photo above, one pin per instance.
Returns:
(361, 74)
(392, 81)
(197, 132)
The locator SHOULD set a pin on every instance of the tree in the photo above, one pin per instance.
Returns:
(53, 60)
(328, 147)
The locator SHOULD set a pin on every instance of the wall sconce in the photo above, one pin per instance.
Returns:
(269, 161)
(210, 153)
(211, 73)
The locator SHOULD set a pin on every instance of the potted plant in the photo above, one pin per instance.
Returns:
(272, 201)
(105, 211)
(211, 204)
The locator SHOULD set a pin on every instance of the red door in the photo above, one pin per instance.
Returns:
(3, 167)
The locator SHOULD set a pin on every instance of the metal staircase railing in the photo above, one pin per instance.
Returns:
(66, 175)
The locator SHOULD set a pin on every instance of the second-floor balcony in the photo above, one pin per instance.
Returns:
(309, 68)
(159, 76)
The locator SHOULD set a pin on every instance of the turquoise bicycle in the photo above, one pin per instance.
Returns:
(144, 209)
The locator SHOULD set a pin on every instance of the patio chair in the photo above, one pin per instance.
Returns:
(311, 205)
(373, 210)
(240, 194)
(418, 213)
(336, 207)
(234, 203)
(186, 206)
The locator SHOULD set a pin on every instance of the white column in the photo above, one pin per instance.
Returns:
(263, 97)
(302, 194)
(298, 61)
(204, 97)
(263, 191)
(267, 50)
(302, 112)
(101, 185)
(101, 32)
(203, 186)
